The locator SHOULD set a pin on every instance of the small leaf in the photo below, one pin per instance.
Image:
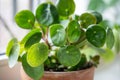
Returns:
(57, 34)
(87, 19)
(73, 31)
(66, 7)
(69, 55)
(108, 56)
(110, 38)
(98, 16)
(31, 38)
(95, 60)
(13, 50)
(34, 72)
(10, 45)
(96, 35)
(25, 19)
(47, 14)
(37, 54)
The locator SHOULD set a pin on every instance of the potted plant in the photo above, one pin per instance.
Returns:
(55, 47)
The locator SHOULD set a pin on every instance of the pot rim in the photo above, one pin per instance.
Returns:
(92, 67)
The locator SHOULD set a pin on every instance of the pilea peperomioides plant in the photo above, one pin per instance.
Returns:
(57, 39)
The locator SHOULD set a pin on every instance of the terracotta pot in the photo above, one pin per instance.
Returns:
(86, 74)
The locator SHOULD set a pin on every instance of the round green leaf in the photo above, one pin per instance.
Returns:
(69, 55)
(73, 31)
(81, 63)
(96, 35)
(37, 54)
(47, 14)
(87, 19)
(98, 16)
(10, 45)
(34, 72)
(31, 38)
(13, 55)
(110, 38)
(57, 34)
(25, 19)
(66, 7)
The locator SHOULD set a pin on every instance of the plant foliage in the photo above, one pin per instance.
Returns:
(58, 44)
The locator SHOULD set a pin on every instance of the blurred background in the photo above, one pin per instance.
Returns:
(109, 68)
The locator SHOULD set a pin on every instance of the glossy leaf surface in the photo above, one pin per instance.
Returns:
(96, 35)
(66, 7)
(34, 72)
(37, 54)
(57, 34)
(13, 50)
(98, 16)
(73, 31)
(47, 14)
(110, 38)
(69, 55)
(25, 19)
(10, 45)
(31, 38)
(87, 19)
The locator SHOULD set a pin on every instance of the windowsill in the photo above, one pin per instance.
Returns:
(3, 60)
(3, 57)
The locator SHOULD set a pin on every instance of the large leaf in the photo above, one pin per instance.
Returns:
(47, 14)
(12, 52)
(34, 72)
(25, 19)
(73, 31)
(57, 34)
(37, 54)
(66, 7)
(110, 38)
(31, 38)
(97, 5)
(69, 55)
(87, 19)
(96, 35)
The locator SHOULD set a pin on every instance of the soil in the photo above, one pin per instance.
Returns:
(65, 69)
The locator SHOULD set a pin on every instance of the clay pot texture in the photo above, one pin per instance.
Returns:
(87, 74)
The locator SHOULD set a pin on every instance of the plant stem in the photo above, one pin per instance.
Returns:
(45, 37)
